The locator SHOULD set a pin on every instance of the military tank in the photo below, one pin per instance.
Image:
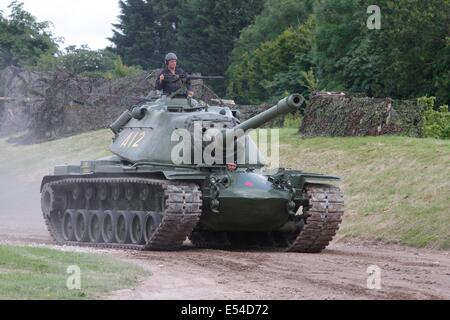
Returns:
(140, 198)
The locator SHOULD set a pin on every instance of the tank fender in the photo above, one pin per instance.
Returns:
(297, 179)
(184, 175)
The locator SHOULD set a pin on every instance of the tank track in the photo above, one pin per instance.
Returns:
(323, 217)
(174, 209)
(319, 224)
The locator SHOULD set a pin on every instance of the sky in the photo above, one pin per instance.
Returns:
(77, 21)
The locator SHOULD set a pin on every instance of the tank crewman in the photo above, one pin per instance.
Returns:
(166, 80)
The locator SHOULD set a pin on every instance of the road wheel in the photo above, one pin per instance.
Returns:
(68, 232)
(122, 228)
(137, 229)
(95, 229)
(108, 232)
(81, 226)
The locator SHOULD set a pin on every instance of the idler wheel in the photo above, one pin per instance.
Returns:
(47, 195)
(108, 232)
(95, 228)
(67, 231)
(81, 226)
(137, 229)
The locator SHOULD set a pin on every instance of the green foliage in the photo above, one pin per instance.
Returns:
(292, 120)
(47, 62)
(26, 42)
(23, 40)
(408, 57)
(436, 122)
(87, 62)
(275, 67)
(84, 60)
(309, 81)
(275, 17)
(121, 70)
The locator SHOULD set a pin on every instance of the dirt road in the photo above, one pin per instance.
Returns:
(338, 273)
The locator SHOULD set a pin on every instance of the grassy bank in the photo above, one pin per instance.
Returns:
(41, 273)
(396, 188)
(31, 162)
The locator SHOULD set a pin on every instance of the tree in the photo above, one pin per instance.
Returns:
(23, 40)
(275, 67)
(146, 31)
(417, 55)
(275, 17)
(408, 57)
(84, 60)
(208, 30)
(249, 81)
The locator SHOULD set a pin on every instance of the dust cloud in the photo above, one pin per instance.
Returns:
(20, 209)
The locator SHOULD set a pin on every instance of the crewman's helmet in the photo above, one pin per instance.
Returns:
(171, 56)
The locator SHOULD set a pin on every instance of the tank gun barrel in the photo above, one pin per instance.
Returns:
(289, 104)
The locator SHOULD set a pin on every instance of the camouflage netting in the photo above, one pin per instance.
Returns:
(335, 114)
(60, 104)
(25, 93)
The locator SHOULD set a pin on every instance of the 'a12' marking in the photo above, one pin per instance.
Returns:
(133, 140)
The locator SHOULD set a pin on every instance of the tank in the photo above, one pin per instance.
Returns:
(157, 189)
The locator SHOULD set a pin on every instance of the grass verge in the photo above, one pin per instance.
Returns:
(41, 273)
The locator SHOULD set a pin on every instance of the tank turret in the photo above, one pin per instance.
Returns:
(145, 134)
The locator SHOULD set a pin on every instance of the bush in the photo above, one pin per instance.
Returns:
(436, 122)
(121, 70)
(292, 120)
(86, 62)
